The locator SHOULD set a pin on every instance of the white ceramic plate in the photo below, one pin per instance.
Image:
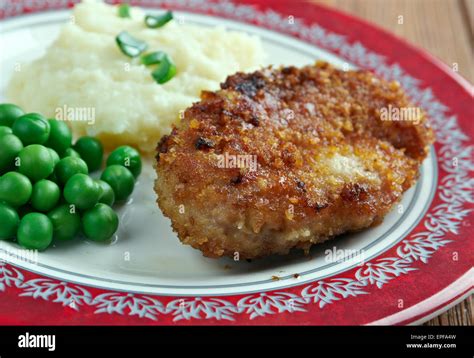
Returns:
(146, 256)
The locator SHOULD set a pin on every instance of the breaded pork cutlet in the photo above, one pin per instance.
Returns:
(287, 158)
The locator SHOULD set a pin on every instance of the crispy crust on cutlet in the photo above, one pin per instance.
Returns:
(327, 163)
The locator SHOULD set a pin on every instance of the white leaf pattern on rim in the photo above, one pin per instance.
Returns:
(324, 292)
(131, 304)
(276, 302)
(10, 276)
(197, 307)
(57, 291)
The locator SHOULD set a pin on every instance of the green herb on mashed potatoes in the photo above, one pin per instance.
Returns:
(155, 21)
(84, 69)
(123, 10)
(129, 45)
(165, 69)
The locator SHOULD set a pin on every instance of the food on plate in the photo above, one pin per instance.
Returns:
(10, 221)
(82, 191)
(100, 222)
(15, 189)
(35, 231)
(70, 153)
(107, 194)
(91, 150)
(9, 113)
(36, 162)
(120, 179)
(153, 21)
(287, 158)
(35, 179)
(5, 130)
(90, 79)
(66, 224)
(45, 195)
(55, 157)
(31, 128)
(60, 136)
(128, 157)
(69, 166)
(124, 10)
(11, 146)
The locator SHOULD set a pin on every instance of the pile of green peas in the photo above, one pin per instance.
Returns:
(46, 192)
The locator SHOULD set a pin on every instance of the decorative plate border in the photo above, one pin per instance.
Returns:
(453, 191)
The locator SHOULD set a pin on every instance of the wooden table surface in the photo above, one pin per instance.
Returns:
(445, 28)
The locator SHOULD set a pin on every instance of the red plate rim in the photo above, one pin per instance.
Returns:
(434, 258)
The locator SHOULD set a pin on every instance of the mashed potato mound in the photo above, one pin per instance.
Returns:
(84, 70)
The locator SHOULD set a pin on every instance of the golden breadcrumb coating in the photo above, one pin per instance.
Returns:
(286, 158)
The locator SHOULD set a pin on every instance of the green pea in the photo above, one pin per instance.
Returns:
(127, 157)
(10, 147)
(36, 162)
(31, 128)
(35, 231)
(54, 155)
(100, 222)
(107, 195)
(15, 189)
(45, 195)
(66, 222)
(82, 191)
(120, 179)
(9, 222)
(69, 166)
(91, 150)
(9, 113)
(70, 153)
(60, 136)
(5, 130)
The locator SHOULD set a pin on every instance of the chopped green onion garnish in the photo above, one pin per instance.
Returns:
(129, 45)
(153, 58)
(165, 69)
(124, 10)
(155, 21)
